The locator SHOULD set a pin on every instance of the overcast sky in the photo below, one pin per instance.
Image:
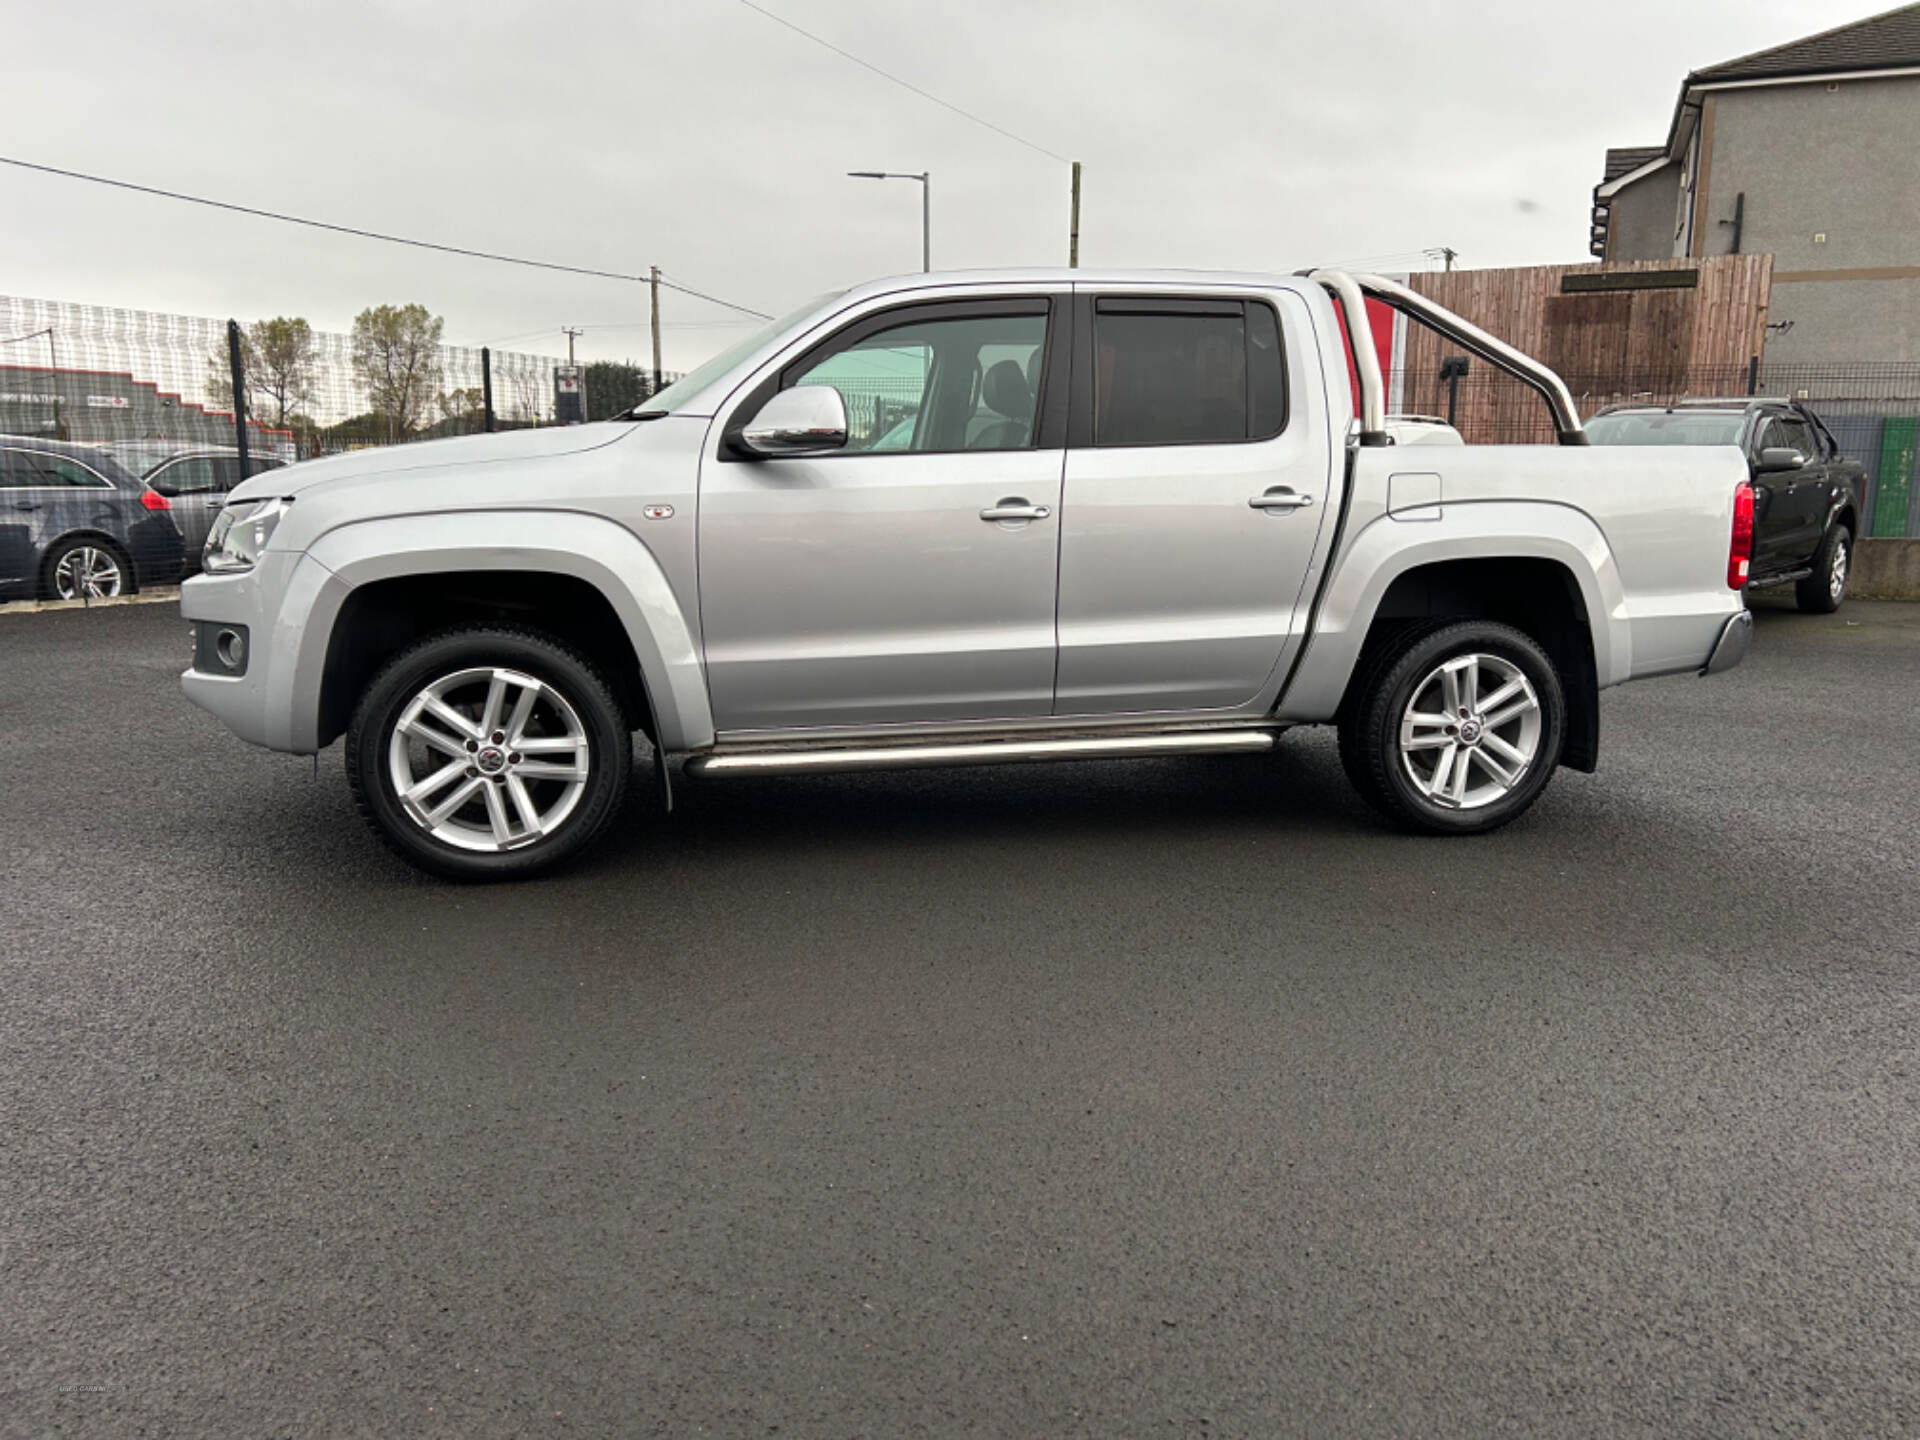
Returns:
(702, 137)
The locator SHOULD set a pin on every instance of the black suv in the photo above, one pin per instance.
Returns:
(1806, 496)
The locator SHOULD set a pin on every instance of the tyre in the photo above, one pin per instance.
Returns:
(1454, 728)
(1822, 591)
(86, 569)
(488, 754)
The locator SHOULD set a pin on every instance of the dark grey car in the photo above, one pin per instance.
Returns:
(76, 524)
(194, 483)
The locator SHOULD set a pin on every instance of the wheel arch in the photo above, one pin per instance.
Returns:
(374, 585)
(1544, 568)
(1537, 596)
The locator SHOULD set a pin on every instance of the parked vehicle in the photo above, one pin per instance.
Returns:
(76, 524)
(1136, 514)
(1806, 495)
(194, 481)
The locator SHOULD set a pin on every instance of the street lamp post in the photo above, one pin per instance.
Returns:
(926, 205)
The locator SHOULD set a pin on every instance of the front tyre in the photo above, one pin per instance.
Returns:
(1455, 729)
(1822, 591)
(488, 754)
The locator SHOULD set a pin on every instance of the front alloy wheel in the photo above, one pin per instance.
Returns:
(489, 759)
(488, 754)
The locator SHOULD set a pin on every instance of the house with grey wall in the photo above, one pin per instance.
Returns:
(1810, 152)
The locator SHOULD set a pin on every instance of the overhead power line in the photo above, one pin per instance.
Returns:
(375, 234)
(905, 84)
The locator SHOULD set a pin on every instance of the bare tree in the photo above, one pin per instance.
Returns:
(277, 363)
(396, 358)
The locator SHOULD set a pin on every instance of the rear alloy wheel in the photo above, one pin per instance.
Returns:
(488, 754)
(1822, 591)
(86, 570)
(1455, 729)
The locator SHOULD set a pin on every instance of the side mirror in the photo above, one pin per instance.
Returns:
(1776, 458)
(806, 420)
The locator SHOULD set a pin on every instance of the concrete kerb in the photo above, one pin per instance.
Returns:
(159, 595)
(1885, 570)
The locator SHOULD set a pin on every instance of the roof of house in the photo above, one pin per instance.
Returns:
(1625, 161)
(1880, 42)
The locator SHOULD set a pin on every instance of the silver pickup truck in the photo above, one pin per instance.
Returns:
(964, 519)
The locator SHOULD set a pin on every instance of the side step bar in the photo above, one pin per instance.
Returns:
(826, 760)
(1770, 581)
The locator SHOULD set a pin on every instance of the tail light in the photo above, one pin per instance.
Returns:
(154, 500)
(1740, 548)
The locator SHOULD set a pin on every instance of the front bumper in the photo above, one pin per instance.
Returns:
(1736, 637)
(260, 699)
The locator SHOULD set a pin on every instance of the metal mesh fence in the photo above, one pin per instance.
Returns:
(118, 439)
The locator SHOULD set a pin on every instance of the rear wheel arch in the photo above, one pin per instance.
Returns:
(101, 539)
(1540, 597)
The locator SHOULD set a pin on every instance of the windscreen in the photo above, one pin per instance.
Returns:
(1665, 427)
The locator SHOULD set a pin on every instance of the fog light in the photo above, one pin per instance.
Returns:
(220, 649)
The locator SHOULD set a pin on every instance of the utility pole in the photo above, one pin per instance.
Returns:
(1073, 231)
(653, 281)
(569, 331)
(1450, 254)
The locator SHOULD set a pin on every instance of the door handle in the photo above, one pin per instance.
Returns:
(1280, 499)
(1015, 509)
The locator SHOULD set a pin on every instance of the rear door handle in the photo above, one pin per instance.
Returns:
(1280, 499)
(1015, 509)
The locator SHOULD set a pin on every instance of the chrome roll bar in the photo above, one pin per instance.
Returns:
(1350, 291)
(1373, 390)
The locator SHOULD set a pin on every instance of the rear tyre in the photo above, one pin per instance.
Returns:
(1822, 592)
(86, 569)
(1454, 728)
(488, 754)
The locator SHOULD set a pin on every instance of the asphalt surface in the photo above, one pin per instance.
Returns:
(1169, 1098)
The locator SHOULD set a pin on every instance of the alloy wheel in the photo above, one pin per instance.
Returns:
(87, 572)
(488, 759)
(1471, 731)
(1837, 576)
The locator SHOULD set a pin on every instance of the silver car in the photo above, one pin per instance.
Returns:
(969, 519)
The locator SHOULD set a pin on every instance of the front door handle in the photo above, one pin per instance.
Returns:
(1015, 508)
(1280, 498)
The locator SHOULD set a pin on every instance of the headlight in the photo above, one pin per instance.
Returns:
(240, 533)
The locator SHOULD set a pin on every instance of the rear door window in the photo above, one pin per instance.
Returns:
(1186, 372)
(185, 477)
(36, 470)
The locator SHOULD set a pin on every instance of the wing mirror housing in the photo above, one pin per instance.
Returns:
(806, 420)
(1776, 458)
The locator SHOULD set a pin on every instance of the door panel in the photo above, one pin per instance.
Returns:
(866, 588)
(1176, 592)
(1773, 522)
